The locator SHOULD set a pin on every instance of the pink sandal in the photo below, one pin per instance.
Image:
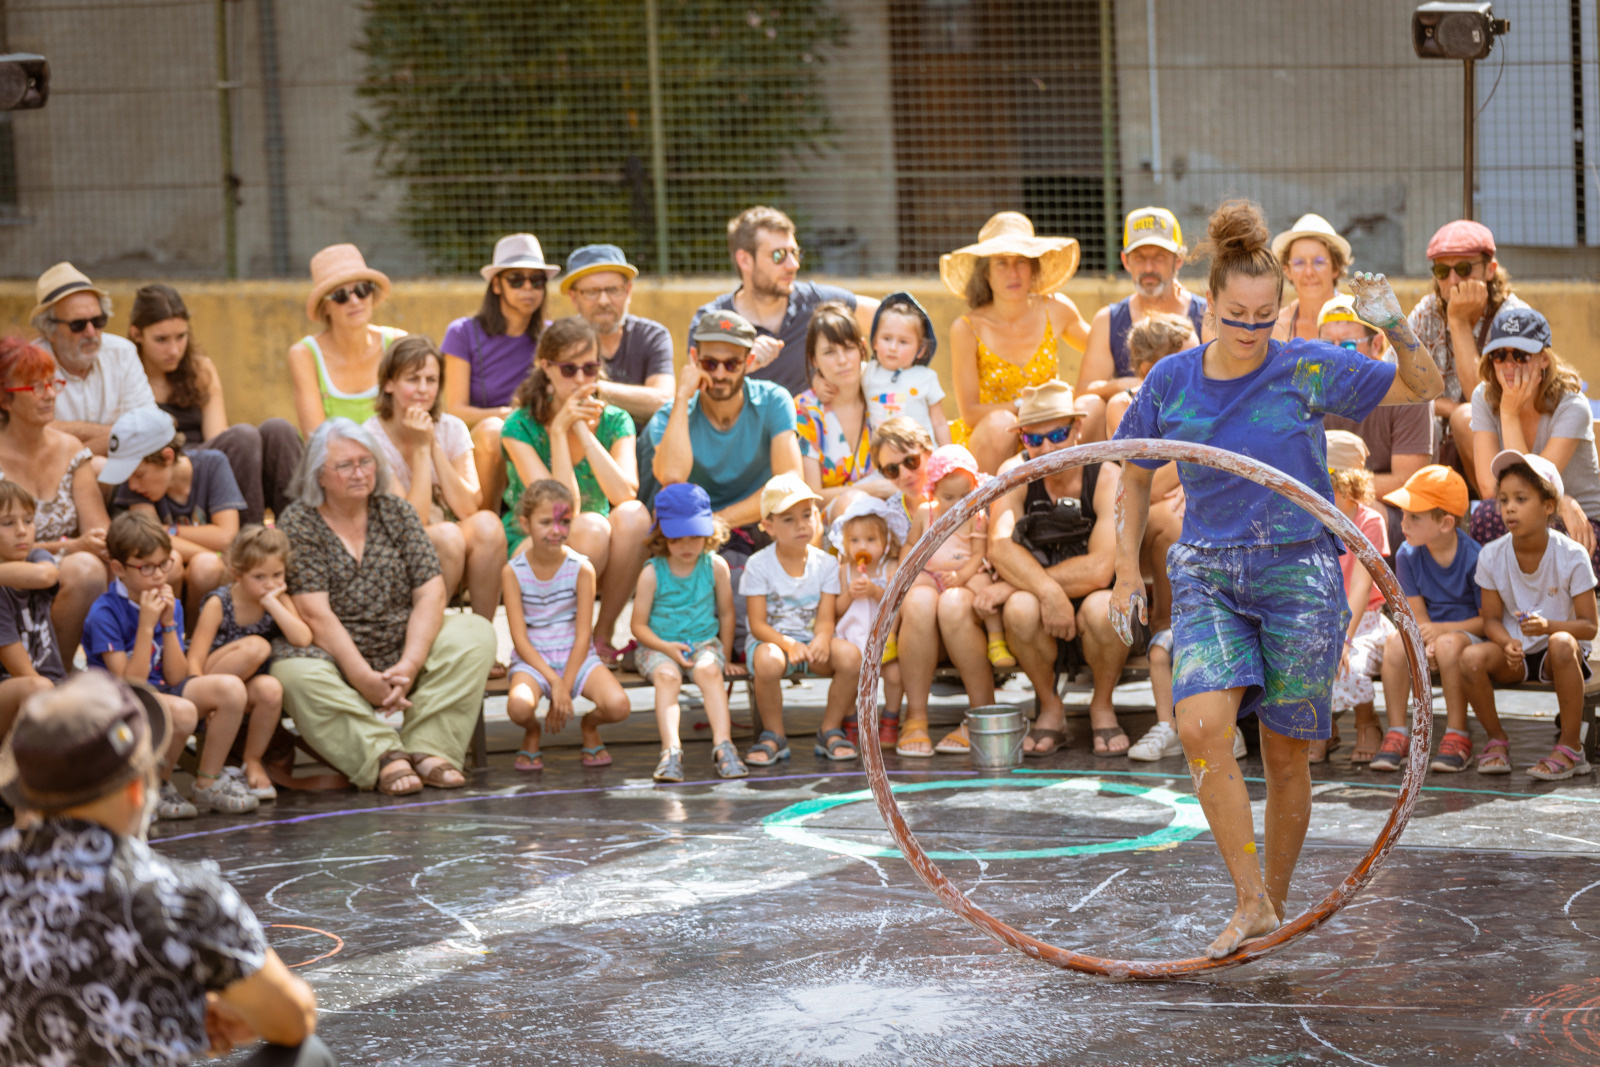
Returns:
(1496, 758)
(1561, 764)
(596, 757)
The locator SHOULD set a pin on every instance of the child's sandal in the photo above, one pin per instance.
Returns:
(670, 767)
(915, 732)
(770, 747)
(1000, 653)
(1561, 764)
(889, 731)
(1496, 758)
(727, 761)
(829, 742)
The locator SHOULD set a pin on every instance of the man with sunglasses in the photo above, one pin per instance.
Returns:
(637, 352)
(767, 255)
(1452, 322)
(103, 375)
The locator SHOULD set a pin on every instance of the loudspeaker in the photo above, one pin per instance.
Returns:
(24, 81)
(1453, 30)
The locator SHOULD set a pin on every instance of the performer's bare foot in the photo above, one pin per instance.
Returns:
(1249, 921)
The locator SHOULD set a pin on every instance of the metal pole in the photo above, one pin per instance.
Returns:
(658, 149)
(1108, 168)
(230, 200)
(1469, 135)
(272, 107)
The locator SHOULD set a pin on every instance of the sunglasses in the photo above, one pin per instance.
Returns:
(1056, 437)
(1354, 346)
(54, 385)
(891, 471)
(79, 325)
(574, 370)
(728, 366)
(1442, 270)
(781, 254)
(517, 281)
(1500, 355)
(360, 290)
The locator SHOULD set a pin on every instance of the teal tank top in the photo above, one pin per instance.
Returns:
(685, 609)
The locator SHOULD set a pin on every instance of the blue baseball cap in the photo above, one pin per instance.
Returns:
(1523, 329)
(684, 510)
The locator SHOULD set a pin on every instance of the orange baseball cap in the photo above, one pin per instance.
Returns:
(1434, 486)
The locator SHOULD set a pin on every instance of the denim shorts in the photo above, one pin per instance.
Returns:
(1270, 618)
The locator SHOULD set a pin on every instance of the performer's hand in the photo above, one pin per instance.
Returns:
(1375, 301)
(1127, 598)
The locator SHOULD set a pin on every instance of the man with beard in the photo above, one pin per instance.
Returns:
(762, 242)
(103, 374)
(725, 432)
(1152, 251)
(636, 352)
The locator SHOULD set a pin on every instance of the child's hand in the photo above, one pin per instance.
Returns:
(151, 605)
(1535, 625)
(817, 652)
(272, 593)
(168, 604)
(1430, 634)
(1344, 659)
(947, 579)
(1433, 660)
(797, 651)
(735, 670)
(1514, 655)
(560, 713)
(680, 652)
(859, 584)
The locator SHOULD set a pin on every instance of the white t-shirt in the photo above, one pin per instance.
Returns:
(452, 435)
(1563, 573)
(791, 602)
(116, 384)
(908, 392)
(1572, 418)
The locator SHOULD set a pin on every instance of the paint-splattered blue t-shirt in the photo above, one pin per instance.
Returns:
(1273, 414)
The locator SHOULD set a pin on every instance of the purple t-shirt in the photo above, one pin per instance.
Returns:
(498, 362)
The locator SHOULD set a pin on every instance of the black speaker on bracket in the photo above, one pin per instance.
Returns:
(1447, 29)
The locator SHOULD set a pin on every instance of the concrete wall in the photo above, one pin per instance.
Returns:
(247, 327)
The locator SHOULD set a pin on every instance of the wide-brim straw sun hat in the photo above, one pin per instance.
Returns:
(339, 265)
(59, 282)
(1010, 233)
(518, 251)
(1310, 225)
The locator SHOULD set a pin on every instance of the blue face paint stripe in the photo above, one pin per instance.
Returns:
(1252, 326)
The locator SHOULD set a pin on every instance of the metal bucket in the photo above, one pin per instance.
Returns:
(996, 731)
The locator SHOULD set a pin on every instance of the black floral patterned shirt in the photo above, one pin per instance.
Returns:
(107, 950)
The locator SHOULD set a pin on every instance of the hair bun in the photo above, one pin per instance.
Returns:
(1237, 228)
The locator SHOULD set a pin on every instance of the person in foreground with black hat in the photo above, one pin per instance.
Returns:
(110, 953)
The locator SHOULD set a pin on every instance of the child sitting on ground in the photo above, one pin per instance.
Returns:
(135, 631)
(1369, 628)
(683, 621)
(548, 591)
(234, 635)
(1437, 567)
(30, 659)
(868, 537)
(790, 589)
(1538, 619)
(899, 383)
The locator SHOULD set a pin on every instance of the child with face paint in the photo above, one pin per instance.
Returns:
(548, 591)
(1258, 618)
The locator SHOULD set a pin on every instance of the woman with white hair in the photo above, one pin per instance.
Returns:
(366, 578)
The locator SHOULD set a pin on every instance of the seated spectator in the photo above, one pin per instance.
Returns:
(1054, 542)
(868, 539)
(30, 659)
(1009, 341)
(1452, 322)
(186, 386)
(900, 448)
(101, 371)
(897, 380)
(488, 354)
(365, 577)
(637, 353)
(767, 256)
(1314, 257)
(1401, 439)
(166, 962)
(334, 372)
(429, 452)
(727, 433)
(1530, 400)
(561, 429)
(835, 435)
(234, 635)
(56, 469)
(192, 494)
(135, 631)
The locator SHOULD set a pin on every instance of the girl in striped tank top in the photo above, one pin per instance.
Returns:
(548, 591)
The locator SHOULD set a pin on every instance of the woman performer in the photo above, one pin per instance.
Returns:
(1256, 617)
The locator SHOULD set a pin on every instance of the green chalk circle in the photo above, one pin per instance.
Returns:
(1188, 821)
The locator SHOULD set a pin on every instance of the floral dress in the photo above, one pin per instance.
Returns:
(1000, 381)
(823, 439)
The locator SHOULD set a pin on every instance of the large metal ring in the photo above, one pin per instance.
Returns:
(979, 499)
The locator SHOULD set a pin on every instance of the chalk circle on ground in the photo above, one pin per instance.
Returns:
(1118, 451)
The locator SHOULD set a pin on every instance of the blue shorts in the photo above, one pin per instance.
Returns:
(1270, 618)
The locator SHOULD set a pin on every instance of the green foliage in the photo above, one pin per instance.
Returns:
(502, 117)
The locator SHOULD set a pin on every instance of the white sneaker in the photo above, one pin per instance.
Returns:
(1239, 751)
(269, 792)
(1160, 742)
(227, 796)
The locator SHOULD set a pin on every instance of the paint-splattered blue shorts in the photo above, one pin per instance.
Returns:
(1271, 618)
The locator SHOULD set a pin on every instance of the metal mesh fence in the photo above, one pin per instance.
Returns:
(236, 137)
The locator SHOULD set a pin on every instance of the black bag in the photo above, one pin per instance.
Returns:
(1053, 531)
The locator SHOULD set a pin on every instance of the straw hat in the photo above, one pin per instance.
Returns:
(339, 265)
(1310, 226)
(1010, 233)
(520, 250)
(61, 280)
(1046, 402)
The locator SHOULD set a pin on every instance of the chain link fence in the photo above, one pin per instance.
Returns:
(218, 138)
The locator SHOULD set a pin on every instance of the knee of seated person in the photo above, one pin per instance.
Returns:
(207, 568)
(483, 528)
(631, 517)
(1563, 646)
(255, 647)
(997, 424)
(487, 432)
(769, 660)
(264, 688)
(184, 715)
(845, 656)
(82, 569)
(706, 672)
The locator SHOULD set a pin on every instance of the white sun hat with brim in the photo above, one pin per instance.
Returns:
(1314, 226)
(518, 251)
(1010, 233)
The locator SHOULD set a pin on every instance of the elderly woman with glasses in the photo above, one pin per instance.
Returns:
(561, 429)
(334, 372)
(365, 577)
(1314, 257)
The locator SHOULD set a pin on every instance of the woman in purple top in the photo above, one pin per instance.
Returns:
(487, 355)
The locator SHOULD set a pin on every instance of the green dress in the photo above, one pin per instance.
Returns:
(357, 407)
(615, 424)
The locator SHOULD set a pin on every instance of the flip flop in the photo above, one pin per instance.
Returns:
(596, 757)
(535, 761)
(1057, 738)
(1105, 735)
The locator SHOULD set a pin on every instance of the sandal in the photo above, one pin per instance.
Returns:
(670, 768)
(829, 742)
(889, 731)
(1000, 653)
(1314, 754)
(393, 768)
(1103, 738)
(891, 650)
(440, 774)
(852, 728)
(954, 743)
(1056, 739)
(915, 733)
(1368, 739)
(728, 763)
(528, 762)
(596, 756)
(1561, 764)
(770, 747)
(1496, 758)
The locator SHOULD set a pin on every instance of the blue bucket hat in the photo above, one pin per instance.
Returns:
(591, 259)
(684, 510)
(1523, 329)
(906, 302)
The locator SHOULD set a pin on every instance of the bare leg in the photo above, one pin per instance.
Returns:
(843, 668)
(204, 573)
(485, 557)
(1106, 655)
(1288, 773)
(83, 579)
(708, 676)
(668, 682)
(185, 717)
(1036, 655)
(1566, 673)
(241, 658)
(1397, 683)
(1481, 667)
(220, 700)
(1161, 682)
(264, 705)
(490, 461)
(994, 440)
(610, 705)
(630, 527)
(1447, 650)
(767, 670)
(1161, 534)
(13, 691)
(919, 657)
(964, 644)
(1461, 431)
(1094, 418)
(451, 546)
(522, 706)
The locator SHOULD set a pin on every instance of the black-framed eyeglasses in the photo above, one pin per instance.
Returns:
(516, 280)
(1463, 270)
(781, 254)
(79, 325)
(573, 370)
(728, 366)
(1500, 355)
(891, 471)
(1057, 436)
(360, 290)
(151, 570)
